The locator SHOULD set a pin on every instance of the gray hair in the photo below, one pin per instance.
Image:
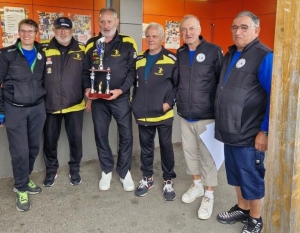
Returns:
(157, 26)
(190, 16)
(252, 16)
(109, 9)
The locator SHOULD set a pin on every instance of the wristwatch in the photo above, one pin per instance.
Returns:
(265, 133)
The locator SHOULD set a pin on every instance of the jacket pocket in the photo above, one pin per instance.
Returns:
(23, 93)
(230, 118)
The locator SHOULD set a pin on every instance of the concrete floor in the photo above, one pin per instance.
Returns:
(84, 208)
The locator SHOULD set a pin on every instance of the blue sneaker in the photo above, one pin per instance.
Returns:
(144, 186)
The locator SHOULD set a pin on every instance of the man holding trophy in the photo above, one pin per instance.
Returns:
(110, 65)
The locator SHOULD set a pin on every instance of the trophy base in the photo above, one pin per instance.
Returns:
(99, 96)
(98, 70)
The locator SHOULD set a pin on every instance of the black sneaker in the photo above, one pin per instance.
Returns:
(50, 179)
(168, 191)
(145, 185)
(232, 216)
(32, 188)
(253, 226)
(75, 178)
(22, 201)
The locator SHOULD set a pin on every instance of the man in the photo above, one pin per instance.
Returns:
(22, 104)
(199, 68)
(64, 99)
(154, 95)
(119, 56)
(242, 117)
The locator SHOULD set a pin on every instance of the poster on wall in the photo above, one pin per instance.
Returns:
(81, 27)
(46, 20)
(172, 38)
(144, 26)
(10, 18)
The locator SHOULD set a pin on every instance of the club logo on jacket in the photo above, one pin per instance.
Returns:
(77, 57)
(240, 63)
(160, 71)
(39, 56)
(200, 57)
(49, 70)
(116, 53)
(48, 62)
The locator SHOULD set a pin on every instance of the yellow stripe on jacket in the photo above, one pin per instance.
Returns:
(168, 115)
(75, 108)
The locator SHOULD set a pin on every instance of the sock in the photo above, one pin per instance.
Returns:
(244, 211)
(198, 183)
(209, 194)
(257, 219)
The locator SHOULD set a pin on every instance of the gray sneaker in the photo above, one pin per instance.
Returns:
(253, 226)
(168, 191)
(32, 188)
(232, 216)
(22, 201)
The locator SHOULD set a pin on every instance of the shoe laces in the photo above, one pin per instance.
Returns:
(143, 183)
(253, 226)
(205, 203)
(23, 197)
(74, 174)
(168, 186)
(31, 184)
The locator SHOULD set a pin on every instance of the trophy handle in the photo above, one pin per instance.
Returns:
(107, 91)
(92, 80)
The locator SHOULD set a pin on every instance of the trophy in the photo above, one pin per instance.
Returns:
(100, 44)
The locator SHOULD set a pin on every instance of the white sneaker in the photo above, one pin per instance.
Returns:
(104, 183)
(127, 182)
(206, 208)
(192, 194)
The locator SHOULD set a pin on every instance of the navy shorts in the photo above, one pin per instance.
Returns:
(245, 168)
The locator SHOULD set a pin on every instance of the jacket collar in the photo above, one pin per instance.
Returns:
(233, 48)
(115, 38)
(160, 54)
(37, 45)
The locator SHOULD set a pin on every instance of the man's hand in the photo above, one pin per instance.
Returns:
(115, 94)
(166, 106)
(88, 105)
(87, 91)
(261, 142)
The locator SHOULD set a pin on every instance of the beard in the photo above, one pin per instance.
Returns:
(64, 41)
(109, 34)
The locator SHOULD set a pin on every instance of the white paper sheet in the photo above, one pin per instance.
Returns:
(215, 147)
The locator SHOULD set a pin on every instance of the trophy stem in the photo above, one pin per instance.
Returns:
(92, 80)
(101, 63)
(107, 91)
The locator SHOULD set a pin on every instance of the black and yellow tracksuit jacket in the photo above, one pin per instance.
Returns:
(160, 87)
(119, 56)
(63, 77)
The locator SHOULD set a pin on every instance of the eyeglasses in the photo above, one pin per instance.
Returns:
(63, 29)
(28, 31)
(243, 28)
